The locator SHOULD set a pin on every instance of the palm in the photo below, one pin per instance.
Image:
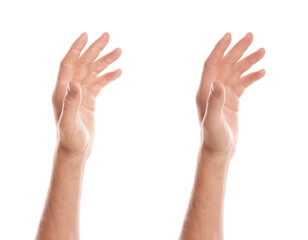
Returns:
(84, 70)
(228, 69)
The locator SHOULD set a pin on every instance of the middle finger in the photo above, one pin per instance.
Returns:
(94, 50)
(238, 50)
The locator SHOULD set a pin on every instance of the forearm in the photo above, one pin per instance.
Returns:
(60, 219)
(204, 219)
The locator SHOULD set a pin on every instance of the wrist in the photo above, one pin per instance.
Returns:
(77, 159)
(77, 151)
(221, 157)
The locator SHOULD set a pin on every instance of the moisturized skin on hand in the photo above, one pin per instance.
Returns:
(222, 84)
(78, 84)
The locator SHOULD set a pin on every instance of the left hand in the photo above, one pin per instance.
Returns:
(77, 87)
(224, 73)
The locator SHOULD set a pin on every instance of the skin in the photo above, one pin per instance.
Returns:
(77, 87)
(222, 83)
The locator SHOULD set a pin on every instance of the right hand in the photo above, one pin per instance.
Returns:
(222, 84)
(77, 87)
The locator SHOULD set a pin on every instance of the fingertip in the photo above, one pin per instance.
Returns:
(118, 50)
(105, 35)
(119, 72)
(249, 35)
(116, 74)
(227, 37)
(83, 36)
(260, 74)
(262, 50)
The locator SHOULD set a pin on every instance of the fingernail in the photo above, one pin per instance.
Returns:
(215, 88)
(71, 88)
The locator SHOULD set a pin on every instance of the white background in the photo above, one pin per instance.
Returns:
(138, 180)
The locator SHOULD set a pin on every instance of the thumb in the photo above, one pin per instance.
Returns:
(71, 101)
(215, 101)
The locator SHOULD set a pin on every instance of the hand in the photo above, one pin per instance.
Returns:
(77, 87)
(222, 84)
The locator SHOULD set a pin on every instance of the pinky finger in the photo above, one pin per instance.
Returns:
(247, 80)
(103, 80)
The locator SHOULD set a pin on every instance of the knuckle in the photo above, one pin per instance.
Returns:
(247, 64)
(207, 64)
(252, 60)
(108, 60)
(95, 49)
(109, 77)
(62, 63)
(65, 63)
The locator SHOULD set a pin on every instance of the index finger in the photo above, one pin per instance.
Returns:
(68, 62)
(218, 52)
(214, 59)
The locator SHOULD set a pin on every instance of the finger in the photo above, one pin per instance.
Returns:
(210, 67)
(103, 62)
(216, 101)
(247, 80)
(67, 65)
(94, 50)
(246, 63)
(103, 80)
(218, 52)
(210, 71)
(238, 50)
(71, 103)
